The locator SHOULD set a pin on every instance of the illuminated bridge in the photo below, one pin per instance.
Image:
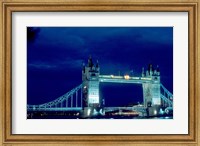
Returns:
(85, 97)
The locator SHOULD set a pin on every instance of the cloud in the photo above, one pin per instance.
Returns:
(55, 57)
(67, 47)
(57, 65)
(78, 43)
(42, 65)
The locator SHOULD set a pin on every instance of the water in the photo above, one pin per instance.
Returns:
(77, 115)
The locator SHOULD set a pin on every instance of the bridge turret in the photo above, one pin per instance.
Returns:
(152, 73)
(97, 64)
(143, 74)
(83, 67)
(90, 63)
(158, 70)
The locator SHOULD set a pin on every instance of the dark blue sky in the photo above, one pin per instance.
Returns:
(55, 56)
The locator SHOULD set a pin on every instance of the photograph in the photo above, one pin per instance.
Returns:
(100, 72)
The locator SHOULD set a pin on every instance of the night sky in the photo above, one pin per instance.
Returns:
(55, 56)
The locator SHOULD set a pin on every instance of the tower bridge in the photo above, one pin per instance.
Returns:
(86, 97)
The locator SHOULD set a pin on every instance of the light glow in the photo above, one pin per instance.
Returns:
(155, 112)
(88, 112)
(127, 77)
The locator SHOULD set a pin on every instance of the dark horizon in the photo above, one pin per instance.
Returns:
(55, 56)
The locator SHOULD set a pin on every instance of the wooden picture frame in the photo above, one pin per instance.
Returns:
(9, 6)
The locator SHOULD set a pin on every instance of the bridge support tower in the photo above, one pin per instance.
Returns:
(151, 91)
(92, 103)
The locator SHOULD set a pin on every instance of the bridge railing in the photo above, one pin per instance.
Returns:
(59, 101)
(166, 96)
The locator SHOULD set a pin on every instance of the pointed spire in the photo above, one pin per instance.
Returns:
(143, 74)
(158, 69)
(90, 63)
(83, 63)
(150, 67)
(97, 64)
(83, 67)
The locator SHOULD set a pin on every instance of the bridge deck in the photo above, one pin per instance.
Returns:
(124, 79)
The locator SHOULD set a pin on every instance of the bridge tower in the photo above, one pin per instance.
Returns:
(151, 91)
(90, 80)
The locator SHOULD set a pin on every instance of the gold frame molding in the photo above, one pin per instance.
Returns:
(9, 6)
